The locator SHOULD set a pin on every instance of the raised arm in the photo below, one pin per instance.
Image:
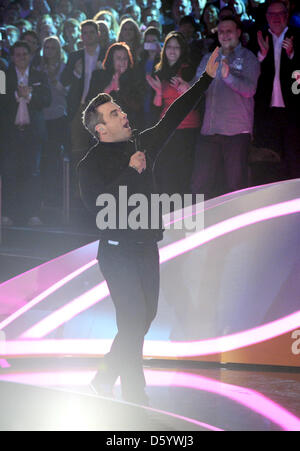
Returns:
(155, 138)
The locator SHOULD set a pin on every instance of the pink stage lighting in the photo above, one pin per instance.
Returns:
(251, 399)
(66, 313)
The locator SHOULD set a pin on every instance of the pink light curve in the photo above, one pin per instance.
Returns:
(56, 319)
(164, 349)
(249, 398)
(45, 294)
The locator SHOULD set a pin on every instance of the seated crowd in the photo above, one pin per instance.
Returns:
(57, 55)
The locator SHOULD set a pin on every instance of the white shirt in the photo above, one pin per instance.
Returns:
(90, 64)
(23, 78)
(277, 98)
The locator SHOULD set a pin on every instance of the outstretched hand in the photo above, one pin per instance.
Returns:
(212, 65)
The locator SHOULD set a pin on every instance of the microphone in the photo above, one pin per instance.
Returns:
(137, 141)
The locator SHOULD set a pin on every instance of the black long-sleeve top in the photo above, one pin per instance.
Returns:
(106, 167)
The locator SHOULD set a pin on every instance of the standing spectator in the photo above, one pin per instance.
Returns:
(277, 105)
(77, 75)
(173, 74)
(189, 29)
(135, 13)
(179, 9)
(23, 25)
(151, 17)
(111, 21)
(27, 94)
(71, 35)
(150, 57)
(197, 9)
(58, 130)
(209, 31)
(130, 33)
(33, 41)
(64, 7)
(12, 34)
(118, 79)
(104, 35)
(221, 163)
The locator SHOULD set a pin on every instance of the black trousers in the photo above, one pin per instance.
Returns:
(132, 274)
(21, 173)
(221, 164)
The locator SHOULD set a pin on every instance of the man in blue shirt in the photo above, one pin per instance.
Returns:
(221, 163)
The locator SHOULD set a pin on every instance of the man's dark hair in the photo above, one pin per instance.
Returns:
(91, 117)
(91, 23)
(19, 44)
(152, 31)
(189, 20)
(31, 33)
(231, 19)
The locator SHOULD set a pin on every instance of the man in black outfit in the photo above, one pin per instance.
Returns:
(129, 258)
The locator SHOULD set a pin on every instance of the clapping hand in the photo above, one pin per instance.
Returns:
(263, 43)
(288, 46)
(155, 83)
(24, 91)
(179, 84)
(212, 65)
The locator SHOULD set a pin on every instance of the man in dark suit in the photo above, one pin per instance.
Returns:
(277, 103)
(77, 75)
(27, 93)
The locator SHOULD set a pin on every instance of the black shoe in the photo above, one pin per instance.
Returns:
(103, 382)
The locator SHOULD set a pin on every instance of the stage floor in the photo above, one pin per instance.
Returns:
(189, 395)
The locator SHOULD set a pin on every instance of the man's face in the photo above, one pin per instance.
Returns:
(116, 127)
(229, 35)
(180, 8)
(277, 18)
(187, 30)
(89, 36)
(21, 58)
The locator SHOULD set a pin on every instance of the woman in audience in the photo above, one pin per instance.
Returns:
(173, 74)
(118, 79)
(104, 39)
(71, 35)
(130, 33)
(150, 57)
(111, 21)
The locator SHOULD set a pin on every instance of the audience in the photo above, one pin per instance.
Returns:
(27, 95)
(68, 47)
(118, 79)
(221, 163)
(173, 72)
(277, 104)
